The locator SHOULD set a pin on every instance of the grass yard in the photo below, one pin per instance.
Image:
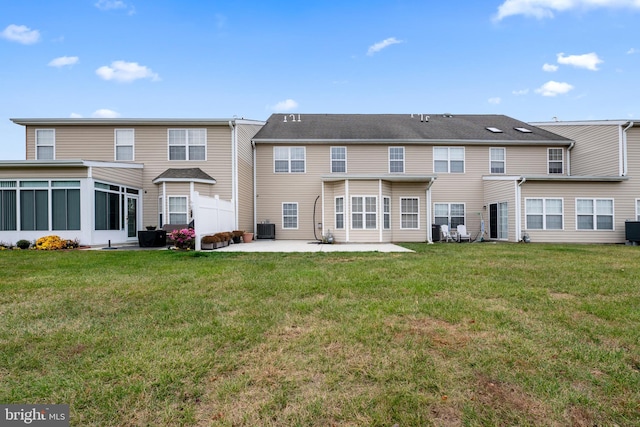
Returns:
(452, 335)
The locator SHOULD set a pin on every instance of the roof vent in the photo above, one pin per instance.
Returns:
(523, 130)
(494, 130)
(293, 118)
(424, 118)
(447, 115)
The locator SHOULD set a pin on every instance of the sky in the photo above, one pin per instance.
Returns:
(534, 60)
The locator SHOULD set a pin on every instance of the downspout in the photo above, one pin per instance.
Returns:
(380, 212)
(234, 171)
(255, 193)
(519, 209)
(428, 201)
(624, 149)
(569, 157)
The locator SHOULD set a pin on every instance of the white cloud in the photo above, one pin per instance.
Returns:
(21, 34)
(115, 5)
(589, 61)
(541, 9)
(495, 100)
(520, 92)
(104, 113)
(550, 68)
(126, 72)
(552, 88)
(632, 51)
(282, 106)
(383, 44)
(63, 61)
(75, 116)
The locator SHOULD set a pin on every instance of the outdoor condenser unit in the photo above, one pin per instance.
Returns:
(632, 231)
(266, 231)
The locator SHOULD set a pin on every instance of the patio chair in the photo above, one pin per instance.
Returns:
(446, 234)
(462, 233)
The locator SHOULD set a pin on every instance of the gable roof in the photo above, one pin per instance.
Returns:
(418, 128)
(184, 175)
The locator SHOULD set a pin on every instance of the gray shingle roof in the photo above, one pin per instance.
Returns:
(186, 174)
(400, 127)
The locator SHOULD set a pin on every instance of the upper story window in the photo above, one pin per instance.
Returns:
(338, 159)
(45, 144)
(448, 159)
(187, 144)
(497, 160)
(544, 214)
(555, 159)
(124, 140)
(396, 159)
(594, 214)
(289, 159)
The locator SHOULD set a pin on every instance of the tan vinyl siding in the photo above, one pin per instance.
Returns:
(408, 190)
(527, 160)
(597, 148)
(500, 192)
(124, 176)
(43, 173)
(245, 176)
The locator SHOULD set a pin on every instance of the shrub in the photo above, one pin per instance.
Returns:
(50, 243)
(183, 239)
(23, 244)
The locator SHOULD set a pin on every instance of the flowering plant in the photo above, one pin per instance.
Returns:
(183, 239)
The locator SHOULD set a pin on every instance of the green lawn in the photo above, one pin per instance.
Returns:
(452, 335)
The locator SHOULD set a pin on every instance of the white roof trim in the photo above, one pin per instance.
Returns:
(67, 163)
(384, 177)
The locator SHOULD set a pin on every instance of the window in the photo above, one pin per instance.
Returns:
(556, 160)
(124, 144)
(338, 159)
(497, 160)
(364, 212)
(386, 205)
(409, 213)
(289, 159)
(290, 215)
(339, 213)
(8, 206)
(65, 205)
(637, 210)
(448, 159)
(34, 205)
(45, 144)
(178, 210)
(187, 144)
(451, 214)
(594, 214)
(107, 207)
(396, 159)
(544, 214)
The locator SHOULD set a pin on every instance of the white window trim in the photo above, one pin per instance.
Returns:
(411, 213)
(595, 214)
(116, 145)
(331, 159)
(386, 213)
(364, 212)
(304, 150)
(504, 162)
(464, 205)
(43, 145)
(396, 160)
(297, 216)
(544, 213)
(464, 160)
(336, 213)
(549, 161)
(169, 211)
(187, 145)
(637, 209)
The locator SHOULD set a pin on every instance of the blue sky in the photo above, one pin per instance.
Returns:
(529, 59)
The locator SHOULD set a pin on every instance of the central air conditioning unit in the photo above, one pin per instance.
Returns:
(266, 231)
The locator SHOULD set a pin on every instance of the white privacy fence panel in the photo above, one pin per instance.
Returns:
(211, 215)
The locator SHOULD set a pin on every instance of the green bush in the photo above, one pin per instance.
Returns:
(23, 244)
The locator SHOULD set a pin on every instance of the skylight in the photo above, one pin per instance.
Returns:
(523, 130)
(494, 130)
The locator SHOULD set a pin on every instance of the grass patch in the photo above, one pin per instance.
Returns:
(451, 335)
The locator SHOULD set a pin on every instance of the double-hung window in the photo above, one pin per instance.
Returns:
(451, 214)
(124, 140)
(409, 213)
(396, 159)
(497, 160)
(8, 206)
(386, 211)
(338, 159)
(364, 212)
(555, 160)
(594, 214)
(178, 213)
(544, 214)
(290, 215)
(448, 159)
(339, 213)
(187, 144)
(45, 144)
(289, 159)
